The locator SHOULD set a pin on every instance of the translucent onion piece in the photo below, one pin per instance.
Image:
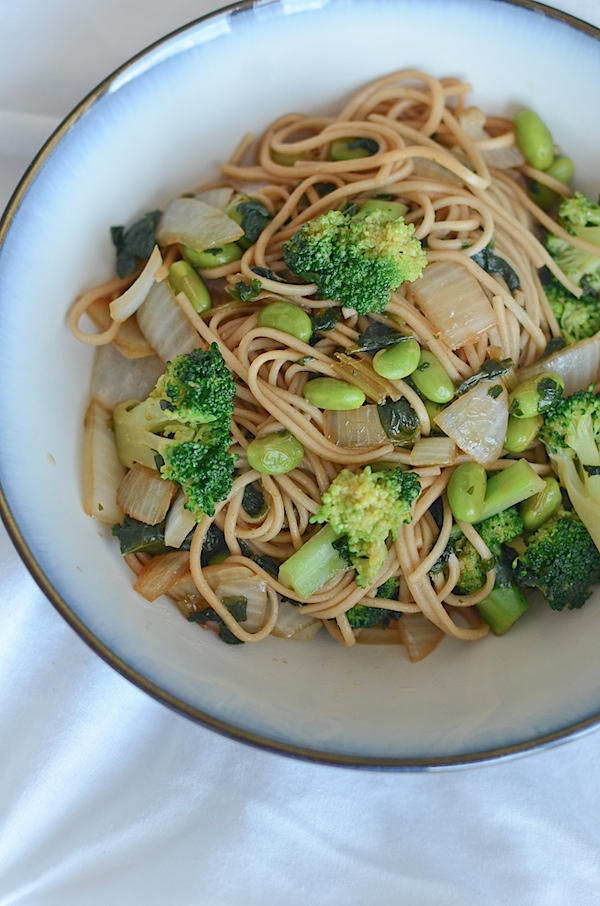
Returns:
(355, 428)
(180, 522)
(292, 623)
(358, 370)
(128, 302)
(102, 471)
(433, 451)
(419, 635)
(160, 573)
(116, 378)
(477, 421)
(130, 341)
(239, 581)
(578, 365)
(144, 495)
(453, 302)
(197, 224)
(216, 198)
(473, 122)
(164, 325)
(376, 635)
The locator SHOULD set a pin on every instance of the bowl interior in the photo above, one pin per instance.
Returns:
(155, 129)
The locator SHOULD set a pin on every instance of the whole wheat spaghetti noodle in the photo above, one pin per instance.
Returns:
(463, 193)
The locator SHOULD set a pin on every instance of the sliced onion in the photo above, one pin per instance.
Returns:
(160, 573)
(164, 324)
(239, 581)
(419, 635)
(116, 378)
(453, 302)
(216, 198)
(292, 623)
(433, 451)
(377, 635)
(578, 365)
(192, 222)
(144, 495)
(477, 421)
(472, 121)
(128, 302)
(355, 428)
(102, 470)
(130, 341)
(180, 522)
(429, 169)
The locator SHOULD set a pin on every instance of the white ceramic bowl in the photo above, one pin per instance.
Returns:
(148, 133)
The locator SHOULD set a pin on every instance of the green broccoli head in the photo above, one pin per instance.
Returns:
(496, 531)
(580, 217)
(183, 428)
(571, 435)
(560, 560)
(367, 508)
(578, 319)
(356, 261)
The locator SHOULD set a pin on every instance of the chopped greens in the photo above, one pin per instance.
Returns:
(136, 243)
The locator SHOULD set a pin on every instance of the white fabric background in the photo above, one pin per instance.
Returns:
(106, 797)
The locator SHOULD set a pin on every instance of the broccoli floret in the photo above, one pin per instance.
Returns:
(356, 261)
(571, 435)
(496, 531)
(561, 560)
(578, 319)
(580, 217)
(182, 428)
(367, 508)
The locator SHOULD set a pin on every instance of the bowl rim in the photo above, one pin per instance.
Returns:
(196, 714)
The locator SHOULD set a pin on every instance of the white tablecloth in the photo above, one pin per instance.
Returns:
(106, 797)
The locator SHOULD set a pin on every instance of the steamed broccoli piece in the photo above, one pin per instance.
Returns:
(367, 508)
(571, 435)
(362, 617)
(578, 319)
(561, 561)
(182, 428)
(580, 217)
(356, 261)
(496, 531)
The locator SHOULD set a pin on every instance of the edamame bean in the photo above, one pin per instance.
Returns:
(431, 379)
(397, 361)
(352, 148)
(275, 454)
(521, 433)
(184, 279)
(562, 168)
(333, 394)
(537, 509)
(533, 139)
(535, 395)
(288, 318)
(224, 254)
(394, 209)
(466, 491)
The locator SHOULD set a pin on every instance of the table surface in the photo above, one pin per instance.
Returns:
(108, 797)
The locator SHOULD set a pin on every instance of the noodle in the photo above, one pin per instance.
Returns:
(459, 205)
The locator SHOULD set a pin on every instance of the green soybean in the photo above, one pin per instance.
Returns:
(216, 257)
(394, 209)
(333, 394)
(562, 168)
(533, 139)
(288, 318)
(184, 279)
(352, 148)
(398, 361)
(466, 491)
(535, 395)
(536, 510)
(431, 379)
(521, 433)
(275, 454)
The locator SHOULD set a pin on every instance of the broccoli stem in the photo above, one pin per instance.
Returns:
(509, 487)
(313, 565)
(503, 607)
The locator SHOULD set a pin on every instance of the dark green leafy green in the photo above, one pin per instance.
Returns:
(236, 605)
(491, 368)
(399, 421)
(136, 243)
(494, 264)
